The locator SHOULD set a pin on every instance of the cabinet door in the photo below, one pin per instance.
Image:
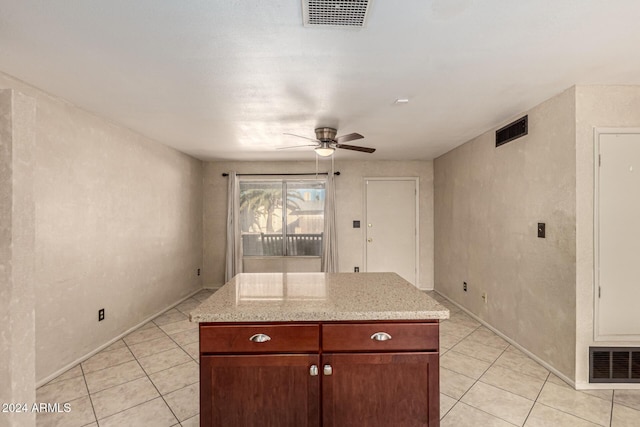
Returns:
(380, 389)
(259, 390)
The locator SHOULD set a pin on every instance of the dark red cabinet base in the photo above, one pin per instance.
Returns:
(354, 381)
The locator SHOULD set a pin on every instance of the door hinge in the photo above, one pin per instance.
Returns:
(599, 291)
(599, 160)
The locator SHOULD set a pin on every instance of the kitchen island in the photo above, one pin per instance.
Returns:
(319, 349)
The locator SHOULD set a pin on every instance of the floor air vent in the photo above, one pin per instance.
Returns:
(335, 13)
(614, 364)
(512, 131)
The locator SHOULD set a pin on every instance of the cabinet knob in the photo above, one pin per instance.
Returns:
(369, 240)
(381, 336)
(260, 338)
(313, 370)
(327, 370)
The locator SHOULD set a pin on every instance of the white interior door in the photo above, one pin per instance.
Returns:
(618, 236)
(391, 227)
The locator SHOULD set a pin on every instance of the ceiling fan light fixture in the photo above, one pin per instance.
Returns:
(324, 151)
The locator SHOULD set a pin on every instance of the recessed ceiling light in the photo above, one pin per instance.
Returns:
(402, 101)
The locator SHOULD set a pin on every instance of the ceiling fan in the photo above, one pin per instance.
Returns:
(326, 142)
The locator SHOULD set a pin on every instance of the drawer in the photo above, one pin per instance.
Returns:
(358, 337)
(237, 339)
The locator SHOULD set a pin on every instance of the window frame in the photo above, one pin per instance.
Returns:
(284, 180)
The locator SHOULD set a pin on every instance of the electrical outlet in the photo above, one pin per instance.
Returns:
(356, 269)
(464, 286)
(198, 272)
(484, 297)
(101, 315)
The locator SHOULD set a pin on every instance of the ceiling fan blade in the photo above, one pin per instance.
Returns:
(349, 137)
(297, 146)
(300, 136)
(356, 148)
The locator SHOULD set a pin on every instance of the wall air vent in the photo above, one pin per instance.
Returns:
(512, 131)
(335, 13)
(614, 364)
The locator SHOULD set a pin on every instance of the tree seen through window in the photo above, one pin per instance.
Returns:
(282, 217)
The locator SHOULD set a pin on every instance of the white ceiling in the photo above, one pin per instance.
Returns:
(224, 79)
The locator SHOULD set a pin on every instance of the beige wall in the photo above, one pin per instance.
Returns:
(17, 239)
(349, 202)
(118, 225)
(596, 106)
(488, 202)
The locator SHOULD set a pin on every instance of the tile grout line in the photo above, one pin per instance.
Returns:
(142, 403)
(440, 367)
(180, 347)
(569, 413)
(537, 397)
(84, 378)
(613, 399)
(109, 367)
(505, 350)
(83, 374)
(189, 354)
(118, 385)
(477, 381)
(546, 381)
(154, 386)
(483, 411)
(135, 379)
(500, 388)
(613, 402)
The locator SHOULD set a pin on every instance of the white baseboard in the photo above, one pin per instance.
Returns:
(581, 385)
(102, 347)
(550, 368)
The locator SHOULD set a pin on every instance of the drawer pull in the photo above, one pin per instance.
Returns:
(260, 338)
(381, 336)
(313, 370)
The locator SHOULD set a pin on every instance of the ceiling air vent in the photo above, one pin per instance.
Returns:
(614, 364)
(512, 131)
(335, 13)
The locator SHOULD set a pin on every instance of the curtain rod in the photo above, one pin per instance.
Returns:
(281, 174)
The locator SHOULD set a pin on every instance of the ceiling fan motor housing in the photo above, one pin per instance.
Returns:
(326, 134)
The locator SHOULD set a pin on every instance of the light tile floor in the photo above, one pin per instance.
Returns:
(484, 381)
(150, 378)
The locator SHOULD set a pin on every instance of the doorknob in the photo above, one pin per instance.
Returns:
(369, 240)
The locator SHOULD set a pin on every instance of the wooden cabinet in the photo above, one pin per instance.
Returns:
(380, 389)
(319, 374)
(259, 390)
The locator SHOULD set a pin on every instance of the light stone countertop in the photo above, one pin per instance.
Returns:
(283, 297)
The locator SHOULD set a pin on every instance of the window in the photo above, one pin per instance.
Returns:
(282, 217)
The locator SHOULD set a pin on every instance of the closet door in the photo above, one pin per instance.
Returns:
(618, 236)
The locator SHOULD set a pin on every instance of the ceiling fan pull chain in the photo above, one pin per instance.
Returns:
(332, 165)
